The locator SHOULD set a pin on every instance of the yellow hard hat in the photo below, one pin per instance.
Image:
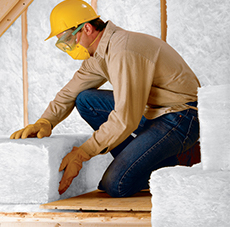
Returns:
(68, 14)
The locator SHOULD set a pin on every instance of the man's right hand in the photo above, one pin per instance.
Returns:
(42, 128)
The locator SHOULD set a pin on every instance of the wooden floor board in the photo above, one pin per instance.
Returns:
(100, 201)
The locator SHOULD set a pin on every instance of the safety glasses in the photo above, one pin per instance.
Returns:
(67, 41)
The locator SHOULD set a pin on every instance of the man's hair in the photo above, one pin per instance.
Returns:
(98, 24)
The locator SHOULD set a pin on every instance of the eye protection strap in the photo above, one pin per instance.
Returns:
(78, 29)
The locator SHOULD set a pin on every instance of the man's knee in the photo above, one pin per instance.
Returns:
(82, 98)
(110, 187)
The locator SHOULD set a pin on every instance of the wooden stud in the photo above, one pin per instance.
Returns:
(10, 11)
(24, 66)
(163, 20)
(94, 5)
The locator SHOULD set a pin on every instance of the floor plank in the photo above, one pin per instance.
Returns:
(99, 201)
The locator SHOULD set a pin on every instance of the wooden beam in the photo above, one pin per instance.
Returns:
(13, 14)
(24, 66)
(6, 6)
(163, 20)
(83, 219)
(94, 5)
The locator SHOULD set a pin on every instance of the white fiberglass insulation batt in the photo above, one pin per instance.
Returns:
(29, 169)
(199, 31)
(190, 196)
(214, 109)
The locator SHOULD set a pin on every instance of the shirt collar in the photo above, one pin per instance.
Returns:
(104, 42)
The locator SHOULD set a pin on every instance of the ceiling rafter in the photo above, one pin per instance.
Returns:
(10, 10)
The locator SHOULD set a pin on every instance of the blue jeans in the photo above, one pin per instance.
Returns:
(157, 144)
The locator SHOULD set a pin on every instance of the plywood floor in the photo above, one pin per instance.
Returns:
(100, 201)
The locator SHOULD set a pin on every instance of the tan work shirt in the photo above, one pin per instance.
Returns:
(148, 77)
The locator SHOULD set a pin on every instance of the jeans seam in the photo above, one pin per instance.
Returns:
(187, 111)
(188, 131)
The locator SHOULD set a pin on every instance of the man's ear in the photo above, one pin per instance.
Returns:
(88, 28)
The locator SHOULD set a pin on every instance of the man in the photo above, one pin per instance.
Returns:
(145, 122)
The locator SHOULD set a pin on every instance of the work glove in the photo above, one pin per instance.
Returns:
(72, 163)
(42, 128)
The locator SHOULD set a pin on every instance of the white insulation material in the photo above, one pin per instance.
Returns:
(190, 196)
(199, 31)
(29, 173)
(214, 109)
(139, 16)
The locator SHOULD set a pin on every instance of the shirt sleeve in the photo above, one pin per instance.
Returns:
(64, 102)
(131, 76)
